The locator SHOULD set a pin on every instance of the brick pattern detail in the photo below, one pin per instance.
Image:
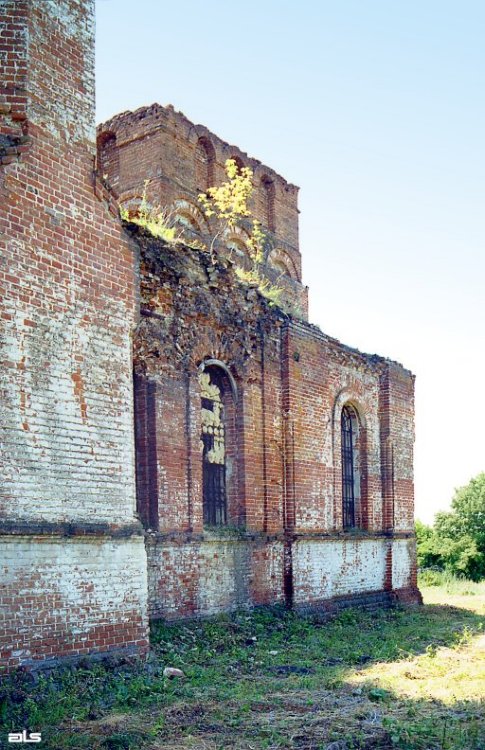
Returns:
(67, 600)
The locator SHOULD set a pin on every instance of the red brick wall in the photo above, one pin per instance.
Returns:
(193, 570)
(67, 308)
(13, 87)
(324, 375)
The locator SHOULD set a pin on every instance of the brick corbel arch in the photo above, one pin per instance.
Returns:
(278, 255)
(184, 206)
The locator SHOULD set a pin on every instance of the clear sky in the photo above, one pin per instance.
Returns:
(376, 110)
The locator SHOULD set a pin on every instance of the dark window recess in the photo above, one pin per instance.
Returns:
(348, 459)
(215, 505)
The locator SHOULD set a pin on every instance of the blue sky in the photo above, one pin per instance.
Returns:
(376, 110)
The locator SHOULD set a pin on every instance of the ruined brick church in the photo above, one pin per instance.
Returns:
(172, 445)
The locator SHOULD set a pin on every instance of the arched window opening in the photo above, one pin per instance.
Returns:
(279, 267)
(268, 195)
(218, 447)
(350, 468)
(132, 206)
(145, 413)
(205, 158)
(282, 262)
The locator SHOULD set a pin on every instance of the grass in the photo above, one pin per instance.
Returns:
(272, 680)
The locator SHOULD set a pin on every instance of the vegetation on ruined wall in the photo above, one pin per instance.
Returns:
(275, 680)
(455, 544)
(227, 207)
(157, 221)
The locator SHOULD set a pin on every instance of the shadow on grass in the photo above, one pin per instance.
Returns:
(264, 680)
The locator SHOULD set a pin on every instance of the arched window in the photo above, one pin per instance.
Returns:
(282, 262)
(205, 158)
(268, 193)
(218, 446)
(350, 468)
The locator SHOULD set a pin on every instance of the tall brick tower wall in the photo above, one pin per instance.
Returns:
(72, 559)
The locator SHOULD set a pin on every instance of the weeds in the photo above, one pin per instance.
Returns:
(452, 584)
(406, 679)
(159, 222)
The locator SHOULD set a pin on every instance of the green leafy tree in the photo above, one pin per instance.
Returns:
(468, 506)
(429, 554)
(456, 542)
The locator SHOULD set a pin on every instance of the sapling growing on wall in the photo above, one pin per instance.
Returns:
(227, 205)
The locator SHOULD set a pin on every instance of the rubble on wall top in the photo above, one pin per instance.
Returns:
(352, 354)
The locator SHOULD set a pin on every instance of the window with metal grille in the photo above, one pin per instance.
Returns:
(349, 429)
(214, 449)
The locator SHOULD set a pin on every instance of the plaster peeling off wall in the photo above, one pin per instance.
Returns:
(402, 562)
(67, 402)
(64, 597)
(212, 577)
(323, 569)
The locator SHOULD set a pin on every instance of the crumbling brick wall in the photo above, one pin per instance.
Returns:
(73, 566)
(193, 311)
(286, 541)
(159, 151)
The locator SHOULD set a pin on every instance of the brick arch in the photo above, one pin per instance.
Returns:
(131, 202)
(225, 350)
(194, 215)
(280, 259)
(131, 199)
(236, 239)
(205, 160)
(238, 251)
(350, 396)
